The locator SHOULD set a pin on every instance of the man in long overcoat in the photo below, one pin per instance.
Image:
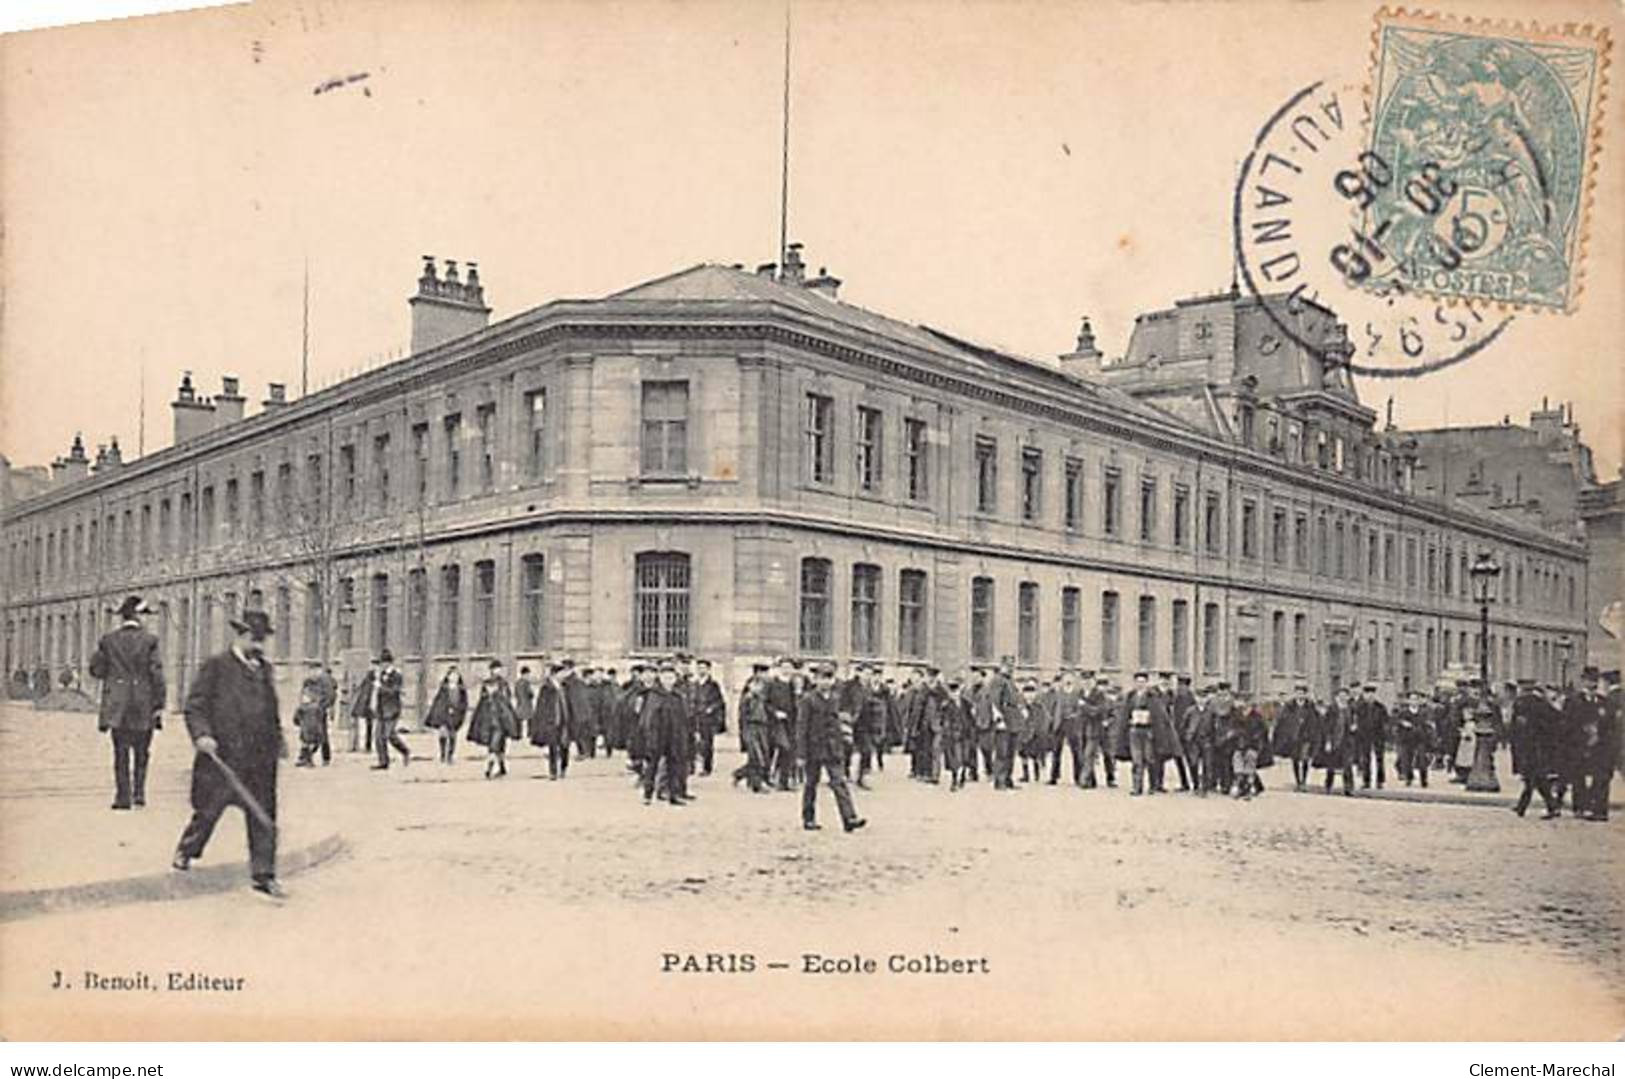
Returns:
(999, 708)
(130, 665)
(665, 726)
(1294, 735)
(1068, 704)
(552, 721)
(1150, 734)
(1334, 736)
(231, 715)
(386, 712)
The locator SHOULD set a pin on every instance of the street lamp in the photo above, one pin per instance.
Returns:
(1484, 573)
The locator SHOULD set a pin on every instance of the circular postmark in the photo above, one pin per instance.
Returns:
(1371, 258)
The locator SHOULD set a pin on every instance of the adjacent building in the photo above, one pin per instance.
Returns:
(741, 464)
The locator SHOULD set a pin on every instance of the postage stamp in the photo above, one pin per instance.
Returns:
(1494, 128)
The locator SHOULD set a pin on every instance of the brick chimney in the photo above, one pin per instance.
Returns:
(194, 415)
(276, 397)
(229, 402)
(825, 285)
(75, 466)
(446, 308)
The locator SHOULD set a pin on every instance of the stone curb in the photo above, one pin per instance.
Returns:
(1487, 799)
(200, 880)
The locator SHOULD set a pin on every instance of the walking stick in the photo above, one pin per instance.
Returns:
(249, 801)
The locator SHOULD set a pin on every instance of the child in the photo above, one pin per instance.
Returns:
(447, 711)
(312, 723)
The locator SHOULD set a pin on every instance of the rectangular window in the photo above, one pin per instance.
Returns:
(485, 606)
(1323, 546)
(1410, 562)
(1210, 636)
(315, 487)
(417, 610)
(1371, 654)
(1249, 528)
(870, 448)
(820, 425)
(1148, 510)
(1356, 550)
(1074, 494)
(1278, 641)
(380, 612)
(1182, 516)
(314, 620)
(865, 609)
(915, 451)
(1027, 622)
(420, 460)
(347, 476)
(1278, 537)
(911, 613)
(1388, 652)
(536, 442)
(283, 616)
(1339, 547)
(234, 508)
(987, 475)
(485, 421)
(981, 618)
(661, 600)
(1032, 483)
(1111, 495)
(816, 630)
(451, 600)
(1448, 566)
(346, 612)
(665, 429)
(532, 591)
(256, 502)
(380, 470)
(284, 493)
(1213, 524)
(1182, 635)
(1373, 565)
(1071, 626)
(1109, 654)
(205, 512)
(453, 425)
(1300, 642)
(1148, 632)
(1390, 564)
(146, 540)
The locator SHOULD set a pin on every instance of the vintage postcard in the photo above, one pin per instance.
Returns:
(813, 520)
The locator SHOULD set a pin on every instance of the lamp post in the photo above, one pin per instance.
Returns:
(1484, 572)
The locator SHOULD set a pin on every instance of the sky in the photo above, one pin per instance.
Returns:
(996, 170)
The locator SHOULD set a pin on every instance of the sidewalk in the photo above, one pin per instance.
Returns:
(62, 847)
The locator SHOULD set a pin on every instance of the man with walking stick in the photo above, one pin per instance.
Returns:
(231, 715)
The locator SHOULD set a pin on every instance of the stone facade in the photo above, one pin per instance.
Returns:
(739, 466)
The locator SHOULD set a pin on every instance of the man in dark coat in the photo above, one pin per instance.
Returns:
(326, 690)
(553, 721)
(363, 709)
(386, 712)
(979, 761)
(999, 708)
(753, 724)
(579, 694)
(524, 703)
(231, 715)
(1334, 741)
(1294, 733)
(665, 725)
(1149, 734)
(1371, 741)
(1412, 729)
(1591, 735)
(821, 746)
(781, 719)
(709, 713)
(1181, 700)
(1068, 705)
(130, 665)
(1096, 742)
(1537, 745)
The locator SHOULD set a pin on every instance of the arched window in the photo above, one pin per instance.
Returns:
(660, 609)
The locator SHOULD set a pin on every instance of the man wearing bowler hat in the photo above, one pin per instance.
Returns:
(130, 665)
(231, 715)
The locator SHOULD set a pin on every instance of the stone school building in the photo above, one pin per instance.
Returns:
(740, 464)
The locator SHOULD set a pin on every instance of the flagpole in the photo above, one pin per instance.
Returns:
(784, 152)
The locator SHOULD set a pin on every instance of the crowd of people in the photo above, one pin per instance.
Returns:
(799, 724)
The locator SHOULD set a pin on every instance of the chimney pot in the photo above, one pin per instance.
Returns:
(451, 271)
(767, 269)
(228, 386)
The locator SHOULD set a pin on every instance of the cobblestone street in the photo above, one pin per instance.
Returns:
(516, 908)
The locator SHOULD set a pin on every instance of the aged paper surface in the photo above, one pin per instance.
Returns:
(250, 192)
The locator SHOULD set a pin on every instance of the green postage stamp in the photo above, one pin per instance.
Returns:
(1489, 130)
